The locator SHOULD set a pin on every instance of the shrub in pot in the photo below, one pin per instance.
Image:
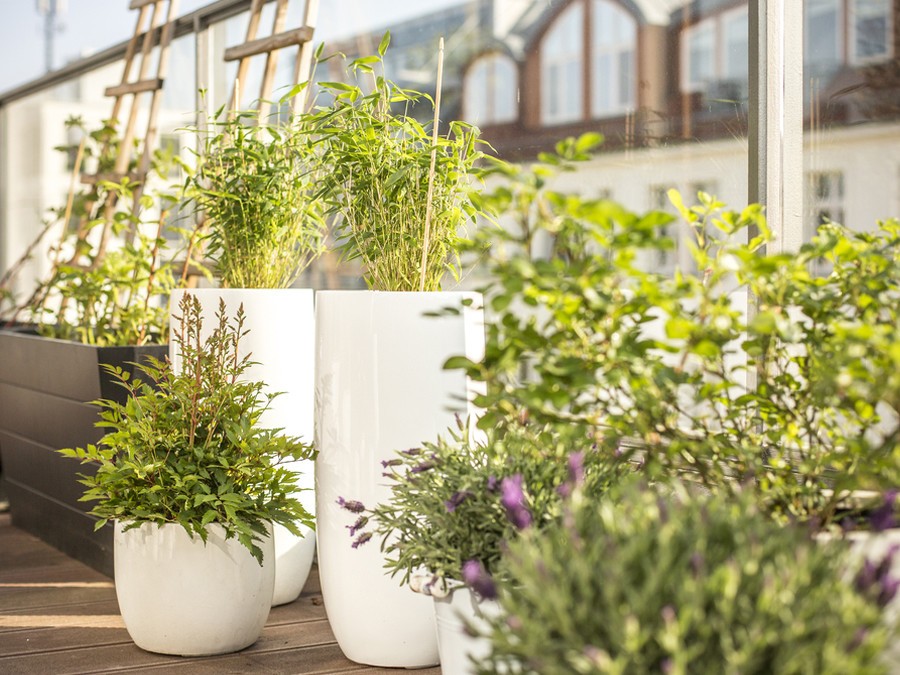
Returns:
(254, 184)
(456, 503)
(194, 484)
(659, 580)
(400, 196)
(103, 302)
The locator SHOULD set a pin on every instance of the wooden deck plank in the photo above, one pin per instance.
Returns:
(59, 616)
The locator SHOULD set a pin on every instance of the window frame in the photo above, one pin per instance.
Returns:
(617, 50)
(852, 56)
(563, 116)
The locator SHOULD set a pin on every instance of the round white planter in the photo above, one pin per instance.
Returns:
(281, 324)
(179, 596)
(381, 387)
(453, 612)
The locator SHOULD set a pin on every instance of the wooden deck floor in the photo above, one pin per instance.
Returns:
(59, 617)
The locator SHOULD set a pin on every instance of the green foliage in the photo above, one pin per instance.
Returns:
(255, 183)
(377, 179)
(801, 399)
(187, 447)
(110, 271)
(656, 581)
(446, 504)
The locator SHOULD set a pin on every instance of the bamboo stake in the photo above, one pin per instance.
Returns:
(434, 147)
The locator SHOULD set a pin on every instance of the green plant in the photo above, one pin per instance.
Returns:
(109, 275)
(659, 581)
(255, 182)
(186, 447)
(800, 399)
(380, 180)
(459, 500)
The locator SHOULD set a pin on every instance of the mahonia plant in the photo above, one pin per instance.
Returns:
(663, 581)
(187, 447)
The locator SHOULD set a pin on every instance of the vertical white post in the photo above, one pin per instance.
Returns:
(776, 117)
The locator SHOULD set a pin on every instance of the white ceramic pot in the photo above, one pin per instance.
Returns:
(381, 387)
(453, 613)
(281, 324)
(179, 596)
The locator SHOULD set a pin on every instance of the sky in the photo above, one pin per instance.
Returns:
(89, 26)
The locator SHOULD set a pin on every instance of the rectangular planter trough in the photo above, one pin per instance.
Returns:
(46, 386)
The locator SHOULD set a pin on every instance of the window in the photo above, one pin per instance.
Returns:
(491, 90)
(699, 56)
(871, 25)
(736, 31)
(822, 34)
(613, 78)
(562, 67)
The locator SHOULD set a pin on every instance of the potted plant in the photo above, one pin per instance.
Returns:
(379, 379)
(663, 580)
(96, 307)
(194, 483)
(455, 505)
(254, 184)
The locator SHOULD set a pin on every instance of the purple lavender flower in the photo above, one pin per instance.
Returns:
(866, 576)
(456, 499)
(512, 496)
(412, 452)
(477, 578)
(358, 525)
(361, 539)
(889, 587)
(385, 463)
(576, 468)
(697, 561)
(421, 468)
(351, 505)
(883, 517)
(492, 483)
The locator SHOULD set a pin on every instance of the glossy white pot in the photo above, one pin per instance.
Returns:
(179, 596)
(453, 613)
(381, 387)
(281, 324)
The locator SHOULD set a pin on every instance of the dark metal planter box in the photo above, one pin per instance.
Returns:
(45, 389)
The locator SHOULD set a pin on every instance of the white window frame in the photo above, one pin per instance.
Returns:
(852, 56)
(621, 101)
(839, 33)
(492, 107)
(737, 14)
(549, 88)
(687, 84)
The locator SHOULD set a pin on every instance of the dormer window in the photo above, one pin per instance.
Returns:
(607, 50)
(491, 90)
(562, 64)
(613, 77)
(716, 50)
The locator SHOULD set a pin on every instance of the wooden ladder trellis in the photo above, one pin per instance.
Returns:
(153, 26)
(270, 46)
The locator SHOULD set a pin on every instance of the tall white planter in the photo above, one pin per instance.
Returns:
(281, 324)
(381, 387)
(179, 596)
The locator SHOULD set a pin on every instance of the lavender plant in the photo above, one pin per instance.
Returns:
(455, 503)
(661, 581)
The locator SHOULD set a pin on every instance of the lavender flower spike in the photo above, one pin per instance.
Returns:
(512, 496)
(477, 578)
(351, 505)
(456, 499)
(576, 468)
(361, 539)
